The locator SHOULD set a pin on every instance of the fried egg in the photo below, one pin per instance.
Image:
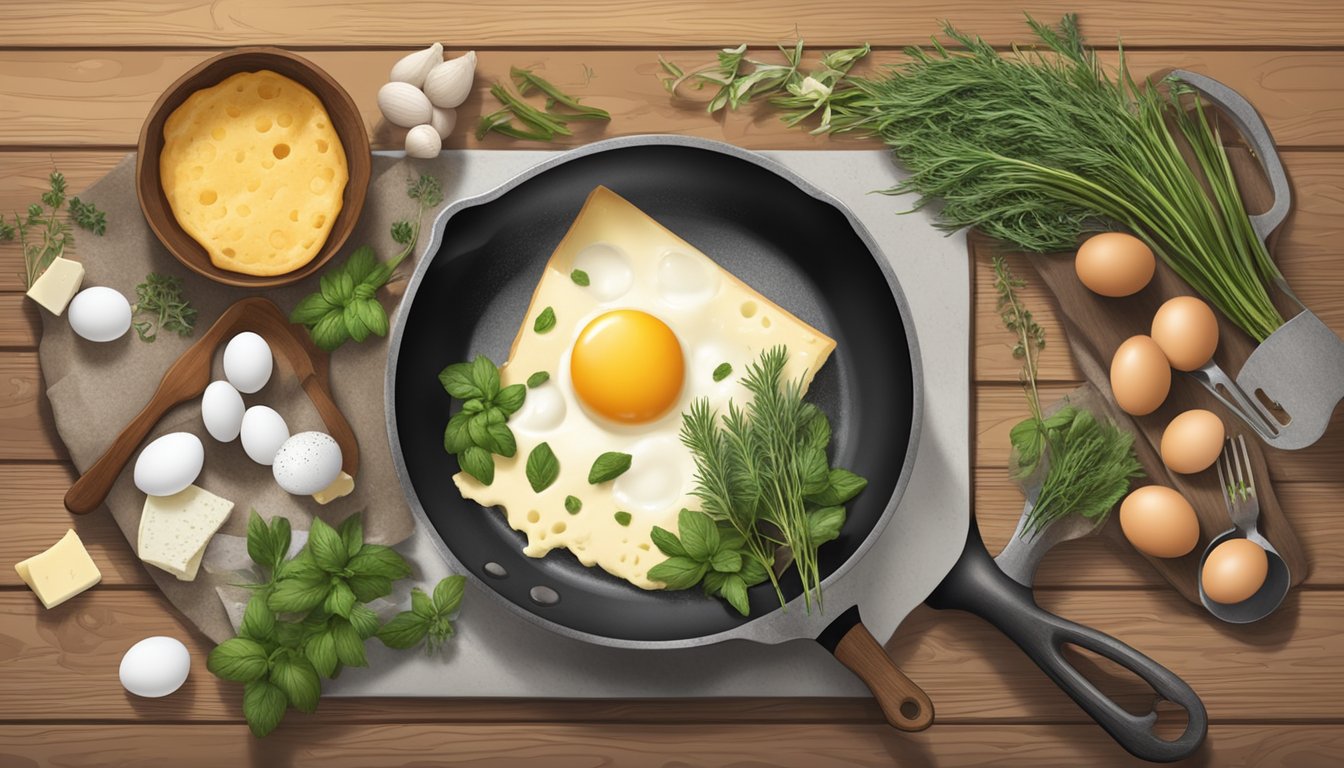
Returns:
(630, 323)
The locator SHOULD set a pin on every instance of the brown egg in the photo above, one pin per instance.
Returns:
(1140, 376)
(1114, 264)
(1187, 331)
(1235, 570)
(1159, 522)
(1192, 441)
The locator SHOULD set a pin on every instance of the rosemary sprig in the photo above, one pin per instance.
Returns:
(534, 124)
(43, 233)
(160, 297)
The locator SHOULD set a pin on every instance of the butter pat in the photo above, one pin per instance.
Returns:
(55, 288)
(61, 572)
(343, 485)
(174, 530)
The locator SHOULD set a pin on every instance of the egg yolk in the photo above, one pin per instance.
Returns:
(627, 366)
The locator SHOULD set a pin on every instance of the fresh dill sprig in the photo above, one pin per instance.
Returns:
(160, 297)
(536, 124)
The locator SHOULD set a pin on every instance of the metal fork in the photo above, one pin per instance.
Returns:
(1236, 478)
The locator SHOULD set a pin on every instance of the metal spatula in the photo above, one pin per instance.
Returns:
(1290, 385)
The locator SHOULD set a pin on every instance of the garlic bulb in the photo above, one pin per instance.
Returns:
(448, 84)
(423, 141)
(443, 121)
(413, 67)
(403, 104)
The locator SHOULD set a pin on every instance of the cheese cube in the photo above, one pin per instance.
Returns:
(174, 530)
(343, 485)
(61, 572)
(55, 288)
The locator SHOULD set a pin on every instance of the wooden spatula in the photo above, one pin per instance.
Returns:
(188, 377)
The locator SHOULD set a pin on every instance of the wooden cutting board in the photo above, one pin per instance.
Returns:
(1096, 325)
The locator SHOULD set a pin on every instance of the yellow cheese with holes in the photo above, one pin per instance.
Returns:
(254, 172)
(61, 572)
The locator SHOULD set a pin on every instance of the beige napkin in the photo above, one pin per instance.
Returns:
(95, 389)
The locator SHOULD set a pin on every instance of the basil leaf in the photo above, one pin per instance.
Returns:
(726, 561)
(374, 317)
(296, 677)
(510, 398)
(364, 621)
(354, 322)
(331, 291)
(485, 376)
(237, 659)
(478, 463)
(311, 309)
(813, 470)
(753, 571)
(667, 542)
(360, 263)
(537, 379)
(405, 630)
(258, 620)
(321, 653)
(580, 278)
(545, 321)
(542, 468)
(379, 560)
(349, 645)
(263, 706)
(455, 436)
(456, 380)
(340, 599)
(495, 415)
(713, 581)
(622, 518)
(267, 545)
(345, 288)
(501, 440)
(474, 406)
(699, 536)
(816, 427)
(293, 595)
(678, 572)
(723, 371)
(330, 332)
(729, 538)
(422, 605)
(841, 486)
(608, 466)
(289, 634)
(448, 594)
(824, 524)
(351, 530)
(327, 547)
(368, 588)
(734, 590)
(573, 505)
(302, 567)
(478, 431)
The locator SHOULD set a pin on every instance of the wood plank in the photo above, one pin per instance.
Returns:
(652, 22)
(25, 414)
(1280, 670)
(641, 745)
(47, 96)
(20, 326)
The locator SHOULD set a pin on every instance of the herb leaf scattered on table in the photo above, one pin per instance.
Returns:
(535, 124)
(347, 305)
(42, 232)
(160, 297)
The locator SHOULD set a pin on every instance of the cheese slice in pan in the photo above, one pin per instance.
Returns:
(174, 530)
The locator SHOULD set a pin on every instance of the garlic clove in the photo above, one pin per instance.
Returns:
(423, 141)
(443, 121)
(413, 67)
(403, 104)
(448, 84)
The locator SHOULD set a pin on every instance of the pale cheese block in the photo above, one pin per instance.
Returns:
(254, 171)
(343, 485)
(55, 287)
(61, 572)
(174, 530)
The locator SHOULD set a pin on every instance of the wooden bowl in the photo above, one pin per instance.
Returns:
(345, 118)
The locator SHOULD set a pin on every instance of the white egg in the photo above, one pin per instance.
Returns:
(155, 667)
(307, 463)
(169, 464)
(263, 432)
(99, 314)
(248, 362)
(222, 411)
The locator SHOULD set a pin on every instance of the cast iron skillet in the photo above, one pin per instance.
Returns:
(804, 250)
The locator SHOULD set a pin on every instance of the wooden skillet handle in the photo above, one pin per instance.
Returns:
(903, 703)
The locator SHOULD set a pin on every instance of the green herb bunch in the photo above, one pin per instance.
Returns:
(1083, 464)
(712, 554)
(308, 619)
(42, 231)
(763, 477)
(535, 124)
(160, 297)
(347, 305)
(478, 432)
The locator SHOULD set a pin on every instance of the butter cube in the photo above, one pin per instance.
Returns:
(61, 572)
(55, 288)
(343, 485)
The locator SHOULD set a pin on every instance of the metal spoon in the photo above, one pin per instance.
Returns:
(1244, 509)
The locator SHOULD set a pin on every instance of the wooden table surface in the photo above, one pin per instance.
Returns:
(76, 80)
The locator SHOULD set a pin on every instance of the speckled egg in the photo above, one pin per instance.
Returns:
(307, 463)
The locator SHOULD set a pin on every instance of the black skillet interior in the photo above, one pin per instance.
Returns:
(799, 251)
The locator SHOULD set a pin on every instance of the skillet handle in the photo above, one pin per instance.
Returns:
(976, 585)
(904, 704)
